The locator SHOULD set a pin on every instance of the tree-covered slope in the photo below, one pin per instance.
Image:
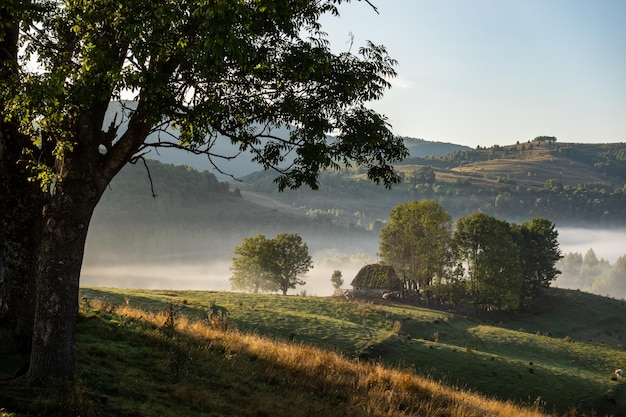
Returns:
(166, 212)
(571, 184)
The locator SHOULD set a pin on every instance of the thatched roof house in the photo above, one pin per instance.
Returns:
(376, 279)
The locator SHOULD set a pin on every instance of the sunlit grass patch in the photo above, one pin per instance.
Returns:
(516, 358)
(235, 373)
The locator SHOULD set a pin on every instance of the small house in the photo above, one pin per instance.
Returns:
(375, 280)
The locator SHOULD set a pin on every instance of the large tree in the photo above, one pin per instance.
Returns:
(270, 264)
(290, 261)
(487, 247)
(539, 251)
(250, 269)
(195, 71)
(416, 242)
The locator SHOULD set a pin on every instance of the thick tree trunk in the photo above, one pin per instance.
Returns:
(60, 254)
(20, 207)
(21, 203)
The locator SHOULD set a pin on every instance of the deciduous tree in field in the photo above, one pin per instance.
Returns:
(270, 264)
(416, 242)
(486, 245)
(336, 279)
(195, 71)
(250, 272)
(538, 246)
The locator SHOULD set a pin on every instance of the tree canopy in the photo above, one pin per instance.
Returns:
(486, 262)
(336, 279)
(416, 242)
(184, 74)
(270, 264)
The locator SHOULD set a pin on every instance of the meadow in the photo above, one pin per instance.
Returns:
(187, 353)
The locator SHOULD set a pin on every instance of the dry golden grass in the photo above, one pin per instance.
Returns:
(367, 388)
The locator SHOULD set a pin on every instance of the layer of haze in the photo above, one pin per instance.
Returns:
(492, 72)
(607, 244)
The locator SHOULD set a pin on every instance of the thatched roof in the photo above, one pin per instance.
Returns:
(377, 276)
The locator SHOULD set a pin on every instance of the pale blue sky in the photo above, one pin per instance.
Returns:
(487, 72)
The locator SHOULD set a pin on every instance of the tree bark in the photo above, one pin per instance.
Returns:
(20, 209)
(60, 253)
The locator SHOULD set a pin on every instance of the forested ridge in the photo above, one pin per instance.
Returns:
(152, 211)
(571, 184)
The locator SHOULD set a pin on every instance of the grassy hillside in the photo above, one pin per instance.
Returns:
(571, 184)
(530, 165)
(561, 357)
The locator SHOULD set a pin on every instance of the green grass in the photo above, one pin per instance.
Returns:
(565, 355)
(561, 357)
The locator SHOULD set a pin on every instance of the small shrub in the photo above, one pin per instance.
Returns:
(397, 327)
(171, 316)
(179, 357)
(218, 320)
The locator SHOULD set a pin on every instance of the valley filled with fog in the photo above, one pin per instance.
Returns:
(183, 236)
(199, 271)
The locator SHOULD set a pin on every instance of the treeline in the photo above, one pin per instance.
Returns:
(606, 159)
(485, 263)
(345, 197)
(590, 274)
(173, 213)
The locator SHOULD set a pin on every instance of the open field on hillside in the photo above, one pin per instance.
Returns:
(173, 353)
(563, 355)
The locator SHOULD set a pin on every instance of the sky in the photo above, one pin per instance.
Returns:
(494, 72)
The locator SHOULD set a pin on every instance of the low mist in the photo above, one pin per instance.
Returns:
(607, 244)
(349, 256)
(593, 261)
(215, 275)
(140, 263)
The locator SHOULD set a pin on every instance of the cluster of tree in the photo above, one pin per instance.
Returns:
(588, 273)
(485, 262)
(548, 139)
(277, 264)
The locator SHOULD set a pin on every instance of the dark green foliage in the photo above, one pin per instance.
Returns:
(571, 184)
(487, 263)
(270, 264)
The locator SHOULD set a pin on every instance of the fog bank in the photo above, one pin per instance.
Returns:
(607, 244)
(214, 274)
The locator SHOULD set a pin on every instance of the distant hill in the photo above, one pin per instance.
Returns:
(242, 165)
(531, 164)
(572, 184)
(420, 148)
(174, 213)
